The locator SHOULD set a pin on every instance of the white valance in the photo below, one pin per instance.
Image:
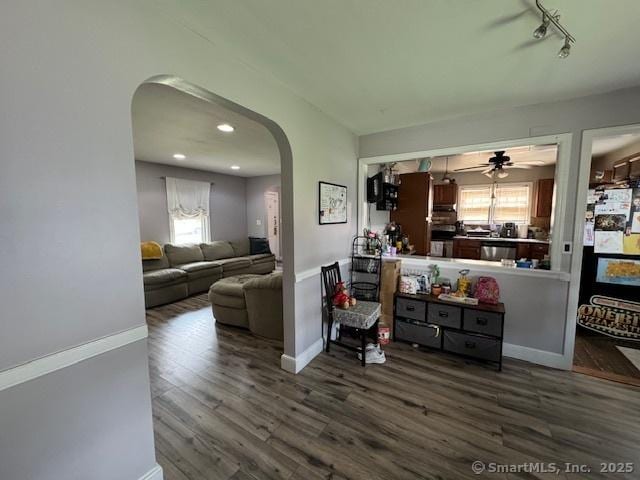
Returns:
(187, 198)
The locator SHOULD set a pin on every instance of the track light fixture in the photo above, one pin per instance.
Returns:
(541, 31)
(553, 18)
(565, 50)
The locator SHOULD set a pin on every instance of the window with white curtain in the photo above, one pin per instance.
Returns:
(188, 207)
(498, 203)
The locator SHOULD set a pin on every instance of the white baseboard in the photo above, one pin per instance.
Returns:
(296, 364)
(312, 272)
(65, 358)
(540, 357)
(154, 474)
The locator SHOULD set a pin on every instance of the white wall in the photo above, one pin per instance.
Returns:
(68, 224)
(88, 421)
(227, 201)
(256, 205)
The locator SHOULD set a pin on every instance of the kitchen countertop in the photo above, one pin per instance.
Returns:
(499, 239)
(477, 266)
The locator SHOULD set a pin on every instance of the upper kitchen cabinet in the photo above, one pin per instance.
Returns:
(544, 197)
(446, 194)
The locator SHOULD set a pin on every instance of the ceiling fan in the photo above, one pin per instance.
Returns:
(497, 165)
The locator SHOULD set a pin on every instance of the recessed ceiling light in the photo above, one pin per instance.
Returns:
(179, 156)
(225, 127)
(235, 167)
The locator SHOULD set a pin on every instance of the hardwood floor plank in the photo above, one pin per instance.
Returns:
(224, 409)
(256, 457)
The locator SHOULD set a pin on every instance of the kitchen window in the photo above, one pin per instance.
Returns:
(495, 204)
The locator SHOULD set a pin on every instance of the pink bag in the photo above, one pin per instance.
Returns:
(487, 290)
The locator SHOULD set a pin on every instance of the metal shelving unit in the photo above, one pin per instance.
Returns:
(366, 268)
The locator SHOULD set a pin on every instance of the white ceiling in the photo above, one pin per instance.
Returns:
(378, 64)
(604, 145)
(538, 156)
(167, 121)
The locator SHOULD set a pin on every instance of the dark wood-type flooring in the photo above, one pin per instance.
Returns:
(223, 409)
(597, 354)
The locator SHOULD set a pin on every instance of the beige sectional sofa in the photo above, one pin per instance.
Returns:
(185, 270)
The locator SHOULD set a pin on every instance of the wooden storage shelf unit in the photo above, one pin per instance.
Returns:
(383, 194)
(473, 331)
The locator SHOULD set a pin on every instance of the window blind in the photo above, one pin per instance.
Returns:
(474, 204)
(512, 203)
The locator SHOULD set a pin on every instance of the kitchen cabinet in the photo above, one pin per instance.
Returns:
(621, 171)
(600, 177)
(539, 250)
(523, 250)
(544, 197)
(634, 167)
(469, 249)
(413, 213)
(532, 251)
(446, 194)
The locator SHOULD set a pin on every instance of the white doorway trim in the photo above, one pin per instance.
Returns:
(588, 136)
(271, 196)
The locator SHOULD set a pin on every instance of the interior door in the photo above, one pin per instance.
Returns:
(272, 200)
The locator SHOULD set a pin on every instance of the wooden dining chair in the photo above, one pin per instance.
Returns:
(361, 318)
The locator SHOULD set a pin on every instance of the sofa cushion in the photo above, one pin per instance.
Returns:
(262, 258)
(236, 263)
(241, 247)
(163, 276)
(198, 266)
(181, 254)
(258, 245)
(272, 281)
(148, 265)
(217, 250)
(228, 291)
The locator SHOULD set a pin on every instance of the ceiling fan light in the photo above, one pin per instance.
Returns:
(502, 173)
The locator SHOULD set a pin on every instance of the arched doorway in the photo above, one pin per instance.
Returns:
(285, 198)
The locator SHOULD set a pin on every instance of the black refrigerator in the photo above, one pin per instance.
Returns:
(610, 278)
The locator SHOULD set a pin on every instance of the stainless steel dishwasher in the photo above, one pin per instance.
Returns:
(496, 251)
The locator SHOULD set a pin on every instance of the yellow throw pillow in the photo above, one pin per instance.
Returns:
(151, 250)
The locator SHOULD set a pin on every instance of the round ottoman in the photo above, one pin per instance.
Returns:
(227, 300)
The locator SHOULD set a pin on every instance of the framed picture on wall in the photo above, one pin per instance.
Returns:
(333, 203)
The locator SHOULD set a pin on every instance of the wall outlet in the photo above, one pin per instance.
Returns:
(258, 222)
(567, 248)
